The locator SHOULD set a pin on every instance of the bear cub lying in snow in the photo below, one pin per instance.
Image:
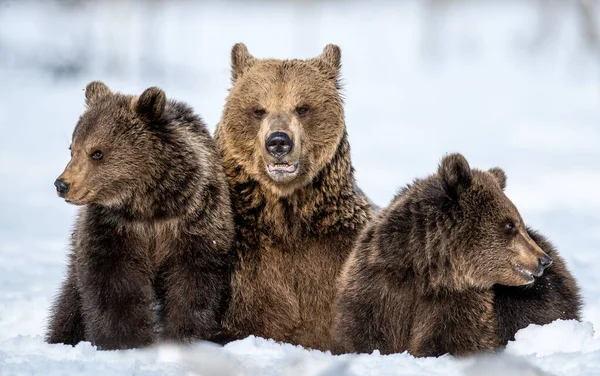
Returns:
(424, 276)
(150, 250)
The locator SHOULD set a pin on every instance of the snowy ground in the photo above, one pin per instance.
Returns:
(412, 94)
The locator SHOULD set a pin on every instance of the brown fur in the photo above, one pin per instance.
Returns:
(553, 296)
(293, 233)
(421, 278)
(150, 250)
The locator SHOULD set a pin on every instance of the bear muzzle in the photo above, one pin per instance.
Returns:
(62, 187)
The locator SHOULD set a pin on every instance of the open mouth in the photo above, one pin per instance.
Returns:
(282, 167)
(528, 275)
(77, 201)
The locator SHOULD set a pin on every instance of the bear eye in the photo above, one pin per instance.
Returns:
(259, 112)
(302, 110)
(510, 228)
(97, 155)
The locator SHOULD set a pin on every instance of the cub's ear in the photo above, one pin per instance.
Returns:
(330, 62)
(240, 60)
(500, 176)
(455, 173)
(94, 91)
(151, 104)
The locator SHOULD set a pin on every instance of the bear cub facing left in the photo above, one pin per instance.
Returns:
(150, 250)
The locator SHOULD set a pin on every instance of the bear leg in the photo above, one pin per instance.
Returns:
(194, 275)
(66, 322)
(115, 283)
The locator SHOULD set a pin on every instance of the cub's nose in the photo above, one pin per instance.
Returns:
(279, 144)
(62, 187)
(544, 262)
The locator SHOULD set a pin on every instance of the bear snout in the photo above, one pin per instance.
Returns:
(544, 263)
(62, 187)
(279, 144)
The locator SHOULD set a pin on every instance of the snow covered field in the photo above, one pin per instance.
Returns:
(468, 82)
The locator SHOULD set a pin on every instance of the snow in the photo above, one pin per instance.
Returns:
(418, 84)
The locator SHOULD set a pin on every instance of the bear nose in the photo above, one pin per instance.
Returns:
(279, 144)
(62, 186)
(544, 262)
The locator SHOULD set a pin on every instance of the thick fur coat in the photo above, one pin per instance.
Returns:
(297, 210)
(150, 251)
(449, 267)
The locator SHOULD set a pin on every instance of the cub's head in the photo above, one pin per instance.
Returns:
(283, 119)
(490, 236)
(112, 150)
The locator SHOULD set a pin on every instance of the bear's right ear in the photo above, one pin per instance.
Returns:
(240, 59)
(499, 175)
(94, 91)
(455, 173)
(151, 104)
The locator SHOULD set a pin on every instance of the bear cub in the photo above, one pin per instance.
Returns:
(150, 249)
(421, 277)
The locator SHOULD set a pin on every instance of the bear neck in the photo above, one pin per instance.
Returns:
(161, 204)
(178, 188)
(423, 253)
(328, 205)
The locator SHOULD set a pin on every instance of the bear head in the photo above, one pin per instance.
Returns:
(283, 119)
(486, 231)
(114, 147)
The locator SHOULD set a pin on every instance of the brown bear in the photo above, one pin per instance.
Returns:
(296, 206)
(151, 248)
(424, 276)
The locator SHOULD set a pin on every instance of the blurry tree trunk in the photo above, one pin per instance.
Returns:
(547, 23)
(587, 11)
(306, 27)
(433, 22)
(115, 25)
(152, 48)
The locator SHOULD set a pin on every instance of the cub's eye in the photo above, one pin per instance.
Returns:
(510, 228)
(302, 110)
(97, 155)
(259, 112)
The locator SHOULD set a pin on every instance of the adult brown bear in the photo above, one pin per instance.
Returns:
(296, 206)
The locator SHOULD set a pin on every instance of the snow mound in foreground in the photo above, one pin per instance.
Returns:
(561, 348)
(558, 337)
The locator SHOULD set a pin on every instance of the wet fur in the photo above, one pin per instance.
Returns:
(155, 264)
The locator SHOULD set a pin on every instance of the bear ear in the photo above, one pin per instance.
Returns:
(240, 59)
(151, 104)
(499, 175)
(455, 173)
(94, 91)
(330, 61)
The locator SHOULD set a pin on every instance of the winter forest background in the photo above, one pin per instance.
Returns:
(514, 84)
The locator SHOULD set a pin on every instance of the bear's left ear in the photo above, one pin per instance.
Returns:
(330, 62)
(499, 175)
(151, 104)
(455, 173)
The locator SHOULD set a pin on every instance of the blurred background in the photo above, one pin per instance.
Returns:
(514, 84)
